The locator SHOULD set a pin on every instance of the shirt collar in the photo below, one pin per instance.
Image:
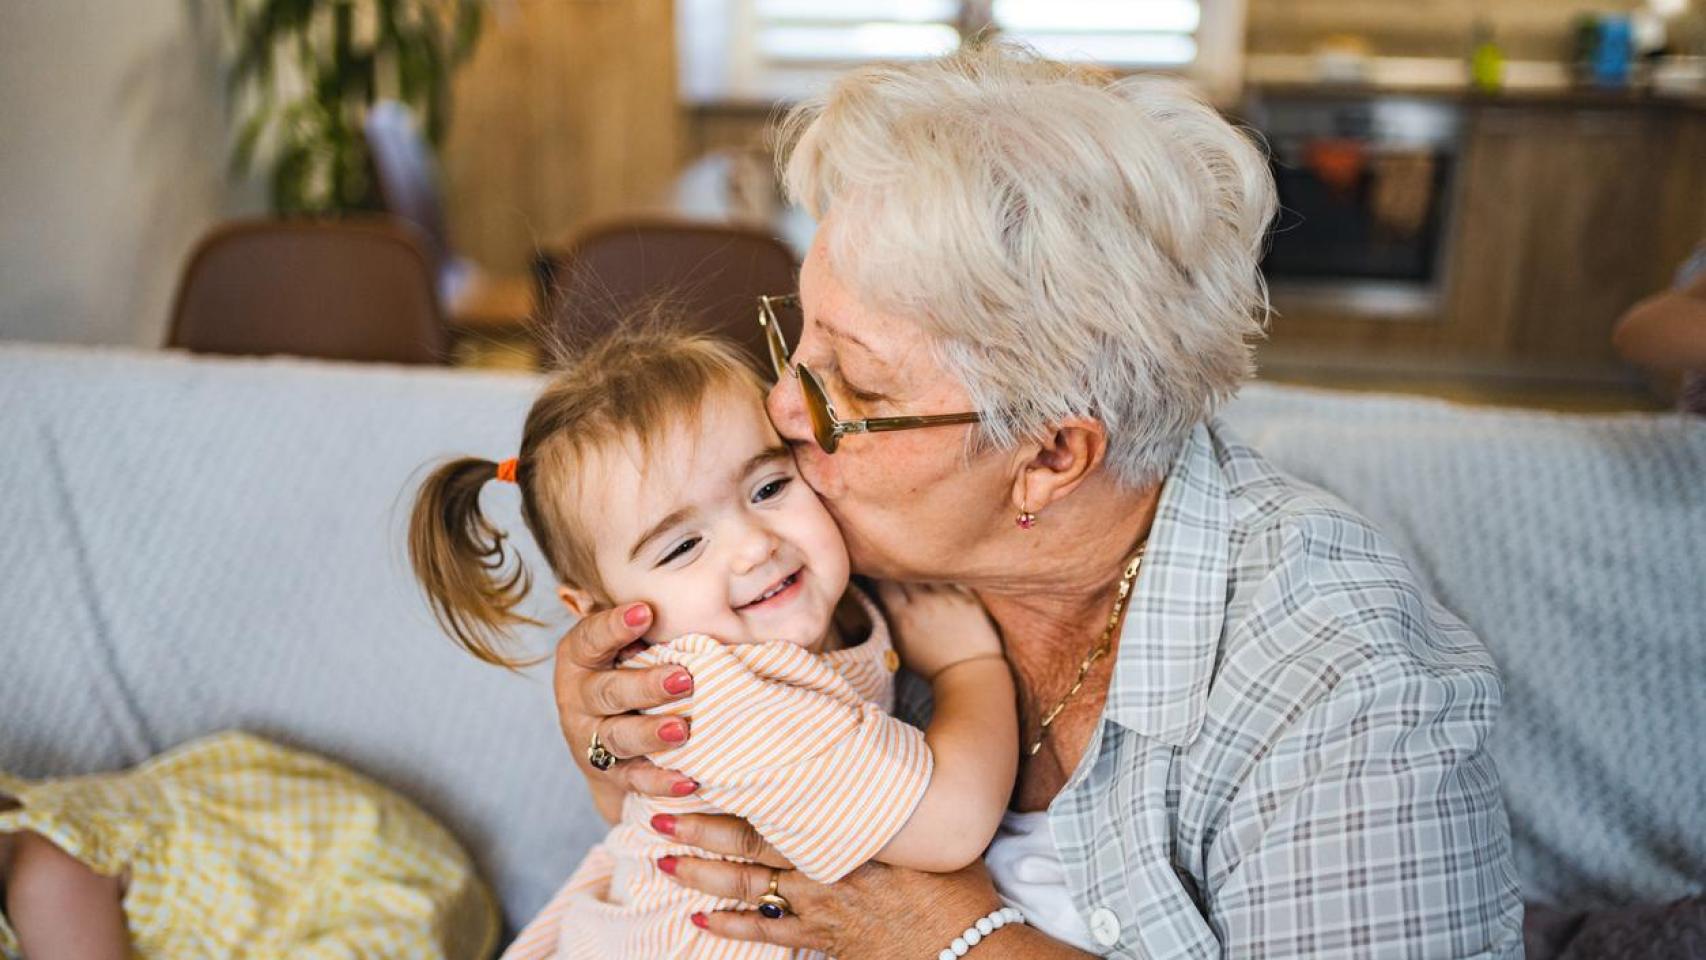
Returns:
(1171, 635)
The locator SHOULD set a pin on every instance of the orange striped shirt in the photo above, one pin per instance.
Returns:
(799, 744)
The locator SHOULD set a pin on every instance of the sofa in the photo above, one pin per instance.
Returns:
(195, 544)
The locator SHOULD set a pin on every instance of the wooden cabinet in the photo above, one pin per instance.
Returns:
(1557, 229)
(1564, 215)
(567, 112)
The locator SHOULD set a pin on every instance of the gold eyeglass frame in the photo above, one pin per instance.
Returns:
(827, 428)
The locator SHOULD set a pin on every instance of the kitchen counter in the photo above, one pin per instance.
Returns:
(1570, 97)
(1527, 83)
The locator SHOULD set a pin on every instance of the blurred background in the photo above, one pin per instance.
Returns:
(1474, 190)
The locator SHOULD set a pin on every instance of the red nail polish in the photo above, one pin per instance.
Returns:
(667, 865)
(700, 921)
(678, 683)
(664, 823)
(682, 788)
(673, 732)
(636, 615)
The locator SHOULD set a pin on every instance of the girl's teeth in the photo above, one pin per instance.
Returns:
(787, 582)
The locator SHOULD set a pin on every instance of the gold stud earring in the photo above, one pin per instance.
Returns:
(1026, 519)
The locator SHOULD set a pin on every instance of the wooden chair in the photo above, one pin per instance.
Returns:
(339, 290)
(712, 273)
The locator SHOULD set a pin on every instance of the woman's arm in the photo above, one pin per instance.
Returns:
(945, 637)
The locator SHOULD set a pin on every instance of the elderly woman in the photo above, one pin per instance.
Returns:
(1276, 746)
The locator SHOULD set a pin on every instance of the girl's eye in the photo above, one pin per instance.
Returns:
(771, 490)
(679, 550)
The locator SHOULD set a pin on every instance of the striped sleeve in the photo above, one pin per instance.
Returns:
(538, 940)
(784, 741)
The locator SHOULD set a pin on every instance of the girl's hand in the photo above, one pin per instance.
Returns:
(592, 694)
(936, 626)
(877, 912)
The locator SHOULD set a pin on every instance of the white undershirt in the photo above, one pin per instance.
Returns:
(1029, 876)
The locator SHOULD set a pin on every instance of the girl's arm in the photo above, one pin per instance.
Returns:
(973, 736)
(783, 740)
(58, 906)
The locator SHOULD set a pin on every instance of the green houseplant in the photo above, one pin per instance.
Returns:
(304, 73)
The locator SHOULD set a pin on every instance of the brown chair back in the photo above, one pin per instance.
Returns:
(406, 172)
(339, 290)
(712, 273)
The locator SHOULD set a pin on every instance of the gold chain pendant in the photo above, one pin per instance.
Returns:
(1100, 650)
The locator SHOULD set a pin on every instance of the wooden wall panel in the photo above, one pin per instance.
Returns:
(1682, 219)
(567, 112)
(1591, 233)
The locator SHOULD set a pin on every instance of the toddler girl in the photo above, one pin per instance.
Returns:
(649, 471)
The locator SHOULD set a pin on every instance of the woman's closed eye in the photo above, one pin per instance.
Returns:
(861, 396)
(853, 391)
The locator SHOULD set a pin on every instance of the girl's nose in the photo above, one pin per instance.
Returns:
(757, 544)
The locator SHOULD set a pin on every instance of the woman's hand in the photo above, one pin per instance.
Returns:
(877, 912)
(592, 694)
(935, 626)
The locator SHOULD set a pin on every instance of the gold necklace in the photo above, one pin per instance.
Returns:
(1097, 652)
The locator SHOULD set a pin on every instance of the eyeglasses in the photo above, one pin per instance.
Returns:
(827, 428)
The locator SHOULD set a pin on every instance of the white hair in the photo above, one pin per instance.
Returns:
(1074, 244)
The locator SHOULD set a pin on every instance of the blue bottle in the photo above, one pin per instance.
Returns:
(1614, 53)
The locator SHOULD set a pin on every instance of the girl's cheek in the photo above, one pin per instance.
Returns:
(820, 472)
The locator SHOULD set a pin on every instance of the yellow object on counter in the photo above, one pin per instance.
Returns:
(238, 848)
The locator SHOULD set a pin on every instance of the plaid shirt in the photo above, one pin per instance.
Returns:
(1291, 761)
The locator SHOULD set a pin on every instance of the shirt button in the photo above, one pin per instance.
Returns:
(1105, 926)
(891, 660)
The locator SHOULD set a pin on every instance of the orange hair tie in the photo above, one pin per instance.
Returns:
(506, 470)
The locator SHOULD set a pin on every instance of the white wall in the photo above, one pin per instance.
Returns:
(113, 149)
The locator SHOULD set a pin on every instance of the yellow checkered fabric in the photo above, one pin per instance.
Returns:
(238, 848)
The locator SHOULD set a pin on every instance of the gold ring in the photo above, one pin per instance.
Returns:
(598, 754)
(773, 905)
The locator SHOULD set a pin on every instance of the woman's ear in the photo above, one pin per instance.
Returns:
(1054, 465)
(579, 602)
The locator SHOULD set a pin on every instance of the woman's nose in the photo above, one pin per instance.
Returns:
(787, 411)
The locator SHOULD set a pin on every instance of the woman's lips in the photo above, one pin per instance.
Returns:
(779, 593)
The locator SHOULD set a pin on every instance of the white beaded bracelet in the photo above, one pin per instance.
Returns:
(975, 933)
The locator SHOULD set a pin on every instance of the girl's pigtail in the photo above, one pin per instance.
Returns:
(459, 558)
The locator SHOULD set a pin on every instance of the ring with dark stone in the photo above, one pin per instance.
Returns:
(772, 905)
